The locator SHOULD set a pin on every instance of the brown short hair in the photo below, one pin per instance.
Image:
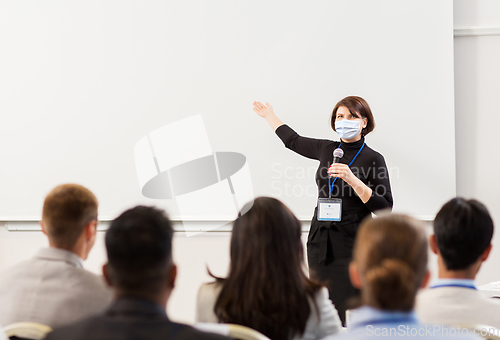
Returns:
(358, 107)
(391, 255)
(67, 209)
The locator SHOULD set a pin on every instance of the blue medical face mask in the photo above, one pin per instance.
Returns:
(348, 129)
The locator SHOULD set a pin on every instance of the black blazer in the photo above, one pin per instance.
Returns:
(130, 318)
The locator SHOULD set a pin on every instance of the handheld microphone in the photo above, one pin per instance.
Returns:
(338, 153)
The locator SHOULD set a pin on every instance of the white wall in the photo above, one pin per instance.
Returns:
(101, 87)
(477, 115)
(476, 13)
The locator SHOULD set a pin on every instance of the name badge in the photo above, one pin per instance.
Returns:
(329, 209)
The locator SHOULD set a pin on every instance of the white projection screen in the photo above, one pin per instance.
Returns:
(83, 82)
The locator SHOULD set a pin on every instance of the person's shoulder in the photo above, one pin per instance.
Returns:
(322, 294)
(465, 295)
(209, 289)
(88, 289)
(86, 279)
(205, 302)
(323, 318)
(186, 332)
(319, 301)
(89, 277)
(328, 146)
(426, 293)
(489, 306)
(84, 329)
(490, 301)
(98, 327)
(425, 299)
(331, 143)
(25, 271)
(372, 153)
(15, 269)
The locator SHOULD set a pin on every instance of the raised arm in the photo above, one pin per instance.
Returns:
(266, 111)
(308, 147)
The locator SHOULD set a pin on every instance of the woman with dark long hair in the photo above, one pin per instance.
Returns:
(349, 190)
(267, 288)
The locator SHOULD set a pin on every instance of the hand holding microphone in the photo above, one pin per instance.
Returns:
(340, 170)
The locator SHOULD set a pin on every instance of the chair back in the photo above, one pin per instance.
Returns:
(27, 330)
(245, 333)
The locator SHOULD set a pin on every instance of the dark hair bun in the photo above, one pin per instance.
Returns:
(391, 285)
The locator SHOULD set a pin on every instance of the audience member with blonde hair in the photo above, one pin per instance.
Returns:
(267, 288)
(389, 266)
(52, 288)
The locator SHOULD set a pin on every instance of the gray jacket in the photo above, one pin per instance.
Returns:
(52, 288)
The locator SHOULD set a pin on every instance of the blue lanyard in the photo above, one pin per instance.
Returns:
(454, 285)
(330, 186)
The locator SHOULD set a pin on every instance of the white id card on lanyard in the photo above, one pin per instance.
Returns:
(329, 209)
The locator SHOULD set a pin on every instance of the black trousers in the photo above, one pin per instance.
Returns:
(329, 252)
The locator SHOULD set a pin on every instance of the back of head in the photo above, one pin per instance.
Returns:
(264, 238)
(267, 288)
(139, 248)
(391, 256)
(67, 209)
(463, 230)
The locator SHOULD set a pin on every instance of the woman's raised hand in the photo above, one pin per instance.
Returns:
(266, 111)
(263, 110)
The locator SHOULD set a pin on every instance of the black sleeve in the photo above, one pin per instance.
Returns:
(307, 147)
(381, 187)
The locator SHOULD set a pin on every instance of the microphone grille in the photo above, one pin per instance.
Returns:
(339, 153)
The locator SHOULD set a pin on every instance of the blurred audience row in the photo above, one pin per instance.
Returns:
(266, 288)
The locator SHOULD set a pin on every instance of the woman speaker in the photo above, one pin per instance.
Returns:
(353, 182)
